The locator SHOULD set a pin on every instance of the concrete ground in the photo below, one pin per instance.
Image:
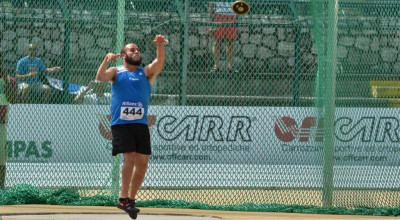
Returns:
(47, 212)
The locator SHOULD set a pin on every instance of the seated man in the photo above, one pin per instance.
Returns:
(28, 76)
(94, 94)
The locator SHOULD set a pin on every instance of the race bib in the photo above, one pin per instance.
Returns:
(131, 111)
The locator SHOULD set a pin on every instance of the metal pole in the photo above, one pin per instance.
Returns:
(120, 28)
(329, 118)
(185, 55)
(297, 56)
(296, 85)
(115, 173)
(66, 46)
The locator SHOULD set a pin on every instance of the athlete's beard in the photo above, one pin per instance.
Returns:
(132, 61)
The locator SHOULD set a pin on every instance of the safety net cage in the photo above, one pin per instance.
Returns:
(292, 106)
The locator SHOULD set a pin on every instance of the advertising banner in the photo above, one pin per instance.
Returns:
(209, 135)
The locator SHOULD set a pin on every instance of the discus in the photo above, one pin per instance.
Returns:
(240, 7)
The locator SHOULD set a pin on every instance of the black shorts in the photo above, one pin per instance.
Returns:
(130, 138)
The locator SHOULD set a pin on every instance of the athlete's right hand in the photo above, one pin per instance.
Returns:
(111, 56)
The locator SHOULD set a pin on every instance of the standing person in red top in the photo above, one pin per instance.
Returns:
(219, 13)
(7, 95)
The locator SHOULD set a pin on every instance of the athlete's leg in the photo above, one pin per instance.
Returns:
(126, 172)
(132, 160)
(141, 163)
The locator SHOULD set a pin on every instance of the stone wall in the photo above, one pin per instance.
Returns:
(264, 43)
(366, 45)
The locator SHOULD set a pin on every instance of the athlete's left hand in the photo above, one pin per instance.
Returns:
(159, 40)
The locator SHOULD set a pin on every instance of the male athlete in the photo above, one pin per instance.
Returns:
(130, 96)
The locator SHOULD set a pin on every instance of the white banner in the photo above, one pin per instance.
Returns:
(223, 135)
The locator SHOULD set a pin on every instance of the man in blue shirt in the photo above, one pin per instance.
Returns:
(130, 96)
(28, 70)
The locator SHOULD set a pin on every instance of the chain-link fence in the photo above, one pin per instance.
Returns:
(293, 103)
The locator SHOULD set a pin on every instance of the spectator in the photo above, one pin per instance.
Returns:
(7, 95)
(219, 13)
(29, 71)
(94, 94)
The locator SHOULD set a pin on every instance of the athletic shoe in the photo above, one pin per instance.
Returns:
(128, 206)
